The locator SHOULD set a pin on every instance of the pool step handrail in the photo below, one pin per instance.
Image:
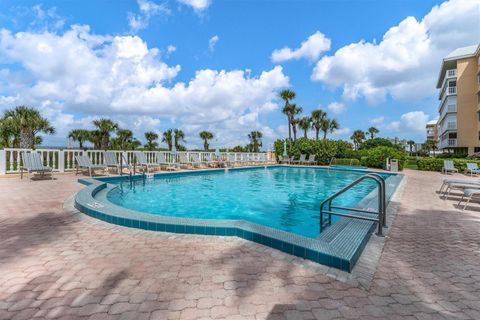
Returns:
(375, 216)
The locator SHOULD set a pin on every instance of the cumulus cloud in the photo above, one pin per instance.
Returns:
(147, 10)
(197, 5)
(409, 122)
(405, 63)
(78, 73)
(212, 42)
(337, 107)
(310, 49)
(377, 120)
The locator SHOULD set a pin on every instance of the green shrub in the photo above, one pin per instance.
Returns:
(451, 155)
(436, 164)
(376, 157)
(375, 142)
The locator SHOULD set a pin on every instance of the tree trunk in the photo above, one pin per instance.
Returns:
(317, 133)
(104, 144)
(324, 135)
(26, 139)
(205, 145)
(289, 129)
(305, 134)
(294, 128)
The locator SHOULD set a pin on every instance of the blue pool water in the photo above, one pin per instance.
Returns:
(286, 198)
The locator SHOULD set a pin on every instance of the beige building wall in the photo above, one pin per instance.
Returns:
(467, 104)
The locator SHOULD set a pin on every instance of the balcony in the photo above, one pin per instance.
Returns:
(452, 142)
(448, 143)
(452, 73)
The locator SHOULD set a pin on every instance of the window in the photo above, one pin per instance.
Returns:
(452, 135)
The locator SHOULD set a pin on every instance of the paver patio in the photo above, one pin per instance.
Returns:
(69, 266)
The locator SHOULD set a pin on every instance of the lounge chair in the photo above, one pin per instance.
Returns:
(162, 161)
(285, 160)
(448, 166)
(472, 168)
(302, 159)
(196, 161)
(84, 162)
(459, 186)
(231, 160)
(310, 160)
(183, 160)
(446, 182)
(468, 194)
(142, 162)
(32, 162)
(110, 160)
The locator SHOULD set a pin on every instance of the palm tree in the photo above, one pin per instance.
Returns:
(304, 124)
(411, 143)
(318, 116)
(430, 145)
(7, 136)
(179, 136)
(255, 138)
(357, 137)
(135, 144)
(106, 127)
(124, 138)
(151, 138)
(294, 110)
(26, 123)
(288, 95)
(205, 136)
(167, 138)
(80, 135)
(328, 126)
(373, 131)
(95, 137)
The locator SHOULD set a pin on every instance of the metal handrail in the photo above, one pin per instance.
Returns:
(380, 214)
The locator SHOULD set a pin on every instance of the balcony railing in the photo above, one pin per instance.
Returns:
(451, 73)
(452, 90)
(452, 142)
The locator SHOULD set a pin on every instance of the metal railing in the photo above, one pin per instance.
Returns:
(375, 216)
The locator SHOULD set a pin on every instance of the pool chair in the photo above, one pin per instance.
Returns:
(211, 160)
(184, 161)
(310, 160)
(468, 195)
(196, 161)
(472, 168)
(163, 163)
(231, 160)
(142, 162)
(448, 166)
(110, 160)
(32, 162)
(285, 160)
(302, 159)
(84, 162)
(459, 186)
(446, 182)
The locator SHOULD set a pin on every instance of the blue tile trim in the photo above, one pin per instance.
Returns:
(342, 252)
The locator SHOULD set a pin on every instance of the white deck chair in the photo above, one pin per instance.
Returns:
(468, 195)
(448, 166)
(302, 159)
(110, 160)
(32, 162)
(472, 168)
(84, 162)
(143, 163)
(310, 160)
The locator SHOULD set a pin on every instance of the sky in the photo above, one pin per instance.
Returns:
(218, 65)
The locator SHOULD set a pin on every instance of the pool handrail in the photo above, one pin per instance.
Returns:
(381, 213)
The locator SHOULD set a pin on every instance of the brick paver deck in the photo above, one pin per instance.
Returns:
(58, 265)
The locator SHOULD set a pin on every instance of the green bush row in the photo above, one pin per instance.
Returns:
(325, 150)
(347, 162)
(436, 164)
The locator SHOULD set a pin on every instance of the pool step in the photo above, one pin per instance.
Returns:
(331, 232)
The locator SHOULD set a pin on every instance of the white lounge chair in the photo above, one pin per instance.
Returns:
(468, 195)
(311, 160)
(448, 166)
(231, 160)
(196, 161)
(472, 168)
(162, 161)
(110, 160)
(142, 162)
(32, 162)
(84, 162)
(184, 161)
(446, 182)
(302, 159)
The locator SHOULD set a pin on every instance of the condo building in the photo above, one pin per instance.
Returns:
(459, 109)
(432, 133)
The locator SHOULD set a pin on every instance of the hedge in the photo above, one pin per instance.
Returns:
(376, 157)
(347, 162)
(435, 164)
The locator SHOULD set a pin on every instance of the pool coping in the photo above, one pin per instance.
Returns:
(339, 246)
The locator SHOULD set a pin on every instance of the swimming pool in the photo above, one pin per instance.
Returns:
(277, 206)
(285, 198)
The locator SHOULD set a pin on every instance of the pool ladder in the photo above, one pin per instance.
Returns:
(327, 209)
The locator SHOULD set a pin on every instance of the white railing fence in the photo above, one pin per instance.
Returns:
(63, 160)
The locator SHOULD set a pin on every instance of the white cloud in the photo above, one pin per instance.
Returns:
(76, 73)
(405, 63)
(409, 122)
(171, 49)
(197, 5)
(343, 132)
(147, 10)
(212, 42)
(377, 120)
(337, 107)
(310, 49)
